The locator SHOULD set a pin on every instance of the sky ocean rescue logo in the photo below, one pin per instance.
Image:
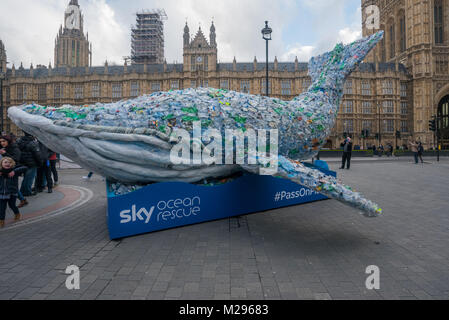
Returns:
(165, 211)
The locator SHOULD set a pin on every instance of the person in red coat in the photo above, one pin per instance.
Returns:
(53, 159)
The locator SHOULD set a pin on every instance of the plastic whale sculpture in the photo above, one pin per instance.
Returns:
(131, 141)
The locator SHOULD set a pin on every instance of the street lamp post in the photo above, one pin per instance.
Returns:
(266, 33)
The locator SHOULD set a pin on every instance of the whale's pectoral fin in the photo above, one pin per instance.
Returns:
(318, 181)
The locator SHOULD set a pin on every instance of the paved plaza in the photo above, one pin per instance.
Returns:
(314, 251)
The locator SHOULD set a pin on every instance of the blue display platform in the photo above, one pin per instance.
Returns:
(168, 205)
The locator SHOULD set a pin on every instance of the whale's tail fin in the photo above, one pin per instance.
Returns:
(332, 68)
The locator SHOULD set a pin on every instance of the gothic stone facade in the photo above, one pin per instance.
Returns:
(72, 47)
(417, 36)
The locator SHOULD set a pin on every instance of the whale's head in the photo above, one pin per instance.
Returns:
(330, 70)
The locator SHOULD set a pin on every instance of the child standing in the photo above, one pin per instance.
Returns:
(9, 186)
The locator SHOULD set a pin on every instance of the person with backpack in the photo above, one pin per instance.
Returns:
(43, 170)
(31, 158)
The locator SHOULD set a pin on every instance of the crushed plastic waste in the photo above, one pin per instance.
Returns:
(129, 140)
(326, 185)
(119, 189)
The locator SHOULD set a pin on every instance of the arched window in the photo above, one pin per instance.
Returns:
(443, 114)
(438, 22)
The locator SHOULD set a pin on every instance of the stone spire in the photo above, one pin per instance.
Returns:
(69, 36)
(3, 57)
(213, 36)
(186, 35)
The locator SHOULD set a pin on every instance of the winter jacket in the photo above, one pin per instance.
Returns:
(45, 152)
(53, 155)
(31, 153)
(420, 149)
(347, 146)
(9, 185)
(13, 152)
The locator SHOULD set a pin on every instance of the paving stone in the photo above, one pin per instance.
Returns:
(191, 287)
(315, 251)
(174, 292)
(222, 288)
(238, 293)
(39, 296)
(27, 293)
(322, 296)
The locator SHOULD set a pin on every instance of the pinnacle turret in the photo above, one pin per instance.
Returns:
(213, 36)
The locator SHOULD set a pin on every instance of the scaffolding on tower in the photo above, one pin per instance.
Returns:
(147, 37)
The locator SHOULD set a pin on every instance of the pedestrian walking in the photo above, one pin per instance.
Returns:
(389, 150)
(10, 149)
(53, 160)
(43, 171)
(9, 186)
(347, 153)
(414, 148)
(31, 158)
(420, 151)
(89, 175)
(381, 150)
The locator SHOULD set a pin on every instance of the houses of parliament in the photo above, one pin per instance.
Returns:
(401, 85)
